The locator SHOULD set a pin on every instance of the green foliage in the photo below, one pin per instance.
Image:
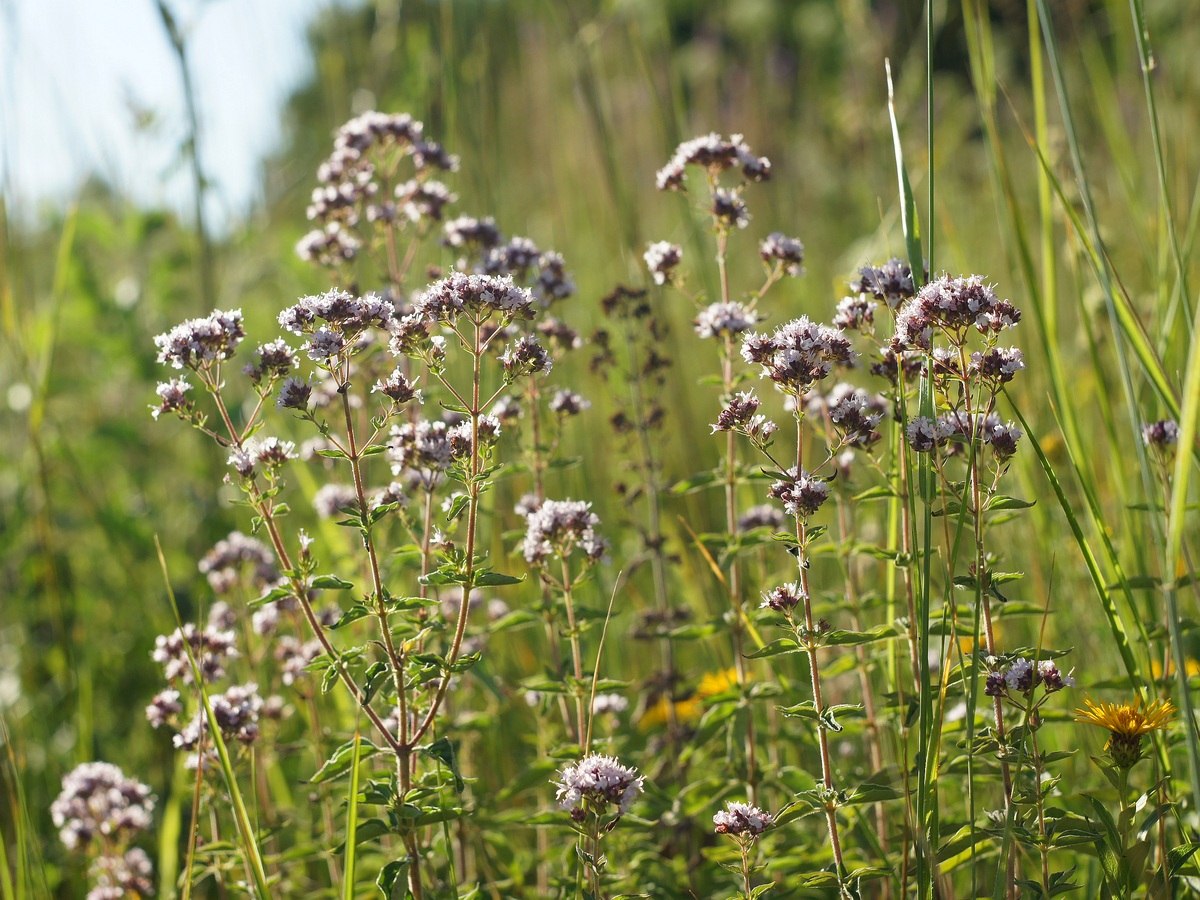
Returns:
(561, 113)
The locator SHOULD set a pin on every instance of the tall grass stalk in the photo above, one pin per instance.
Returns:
(247, 834)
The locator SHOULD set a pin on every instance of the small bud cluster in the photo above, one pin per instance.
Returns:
(787, 252)
(330, 245)
(890, 363)
(468, 232)
(855, 314)
(557, 527)
(999, 364)
(294, 655)
(332, 500)
(609, 704)
(196, 342)
(269, 453)
(784, 598)
(398, 388)
(662, 258)
(236, 712)
(568, 403)
(423, 199)
(97, 800)
(715, 155)
(952, 305)
(525, 357)
(729, 209)
(852, 411)
(1021, 676)
(741, 415)
(597, 782)
(210, 648)
(421, 447)
(1161, 435)
(798, 354)
(173, 397)
(272, 361)
(741, 819)
(892, 283)
(762, 516)
(222, 563)
(801, 494)
(475, 296)
(721, 320)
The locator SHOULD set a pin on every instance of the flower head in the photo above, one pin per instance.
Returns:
(598, 782)
(198, 341)
(892, 282)
(715, 154)
(1126, 724)
(97, 799)
(662, 257)
(799, 353)
(1160, 435)
(557, 527)
(476, 296)
(724, 319)
(742, 819)
(788, 252)
(174, 398)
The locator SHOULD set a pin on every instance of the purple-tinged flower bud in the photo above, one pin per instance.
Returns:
(784, 598)
(173, 394)
(741, 818)
(397, 388)
(662, 258)
(786, 251)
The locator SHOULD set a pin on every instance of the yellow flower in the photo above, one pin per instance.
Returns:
(1192, 667)
(692, 708)
(1126, 724)
(714, 683)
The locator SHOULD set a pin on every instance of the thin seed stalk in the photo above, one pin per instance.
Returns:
(395, 659)
(906, 535)
(981, 596)
(653, 524)
(811, 650)
(576, 657)
(874, 745)
(982, 600)
(472, 526)
(735, 568)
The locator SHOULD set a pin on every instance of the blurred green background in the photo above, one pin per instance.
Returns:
(561, 112)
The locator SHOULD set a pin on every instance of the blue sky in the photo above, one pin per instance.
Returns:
(76, 76)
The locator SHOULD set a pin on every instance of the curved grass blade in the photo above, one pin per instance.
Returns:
(245, 830)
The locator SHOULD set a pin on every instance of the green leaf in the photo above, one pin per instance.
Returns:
(496, 579)
(443, 751)
(271, 596)
(457, 505)
(353, 614)
(331, 583)
(840, 638)
(775, 648)
(341, 760)
(1002, 502)
(879, 492)
(393, 880)
(697, 482)
(377, 674)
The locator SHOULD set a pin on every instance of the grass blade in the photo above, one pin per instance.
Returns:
(252, 857)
